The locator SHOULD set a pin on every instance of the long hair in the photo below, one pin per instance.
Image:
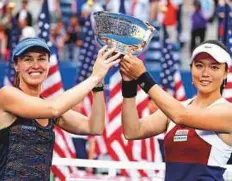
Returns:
(16, 76)
(16, 80)
(224, 81)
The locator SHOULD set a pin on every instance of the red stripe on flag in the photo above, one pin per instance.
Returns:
(52, 89)
(61, 133)
(144, 150)
(59, 150)
(230, 69)
(118, 137)
(228, 85)
(229, 99)
(115, 112)
(59, 174)
(52, 70)
(152, 143)
(115, 90)
(178, 85)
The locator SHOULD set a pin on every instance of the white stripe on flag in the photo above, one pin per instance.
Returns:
(137, 149)
(115, 102)
(113, 125)
(229, 77)
(87, 105)
(227, 93)
(114, 80)
(122, 156)
(141, 96)
(148, 149)
(53, 60)
(6, 81)
(55, 94)
(101, 143)
(51, 80)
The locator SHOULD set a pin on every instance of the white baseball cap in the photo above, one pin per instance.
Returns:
(216, 51)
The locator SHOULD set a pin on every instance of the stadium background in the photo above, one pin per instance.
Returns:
(70, 71)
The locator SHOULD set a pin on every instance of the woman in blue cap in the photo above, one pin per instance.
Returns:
(198, 139)
(27, 120)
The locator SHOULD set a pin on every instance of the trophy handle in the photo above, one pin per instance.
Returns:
(150, 27)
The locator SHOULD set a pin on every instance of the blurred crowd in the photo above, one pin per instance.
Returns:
(67, 29)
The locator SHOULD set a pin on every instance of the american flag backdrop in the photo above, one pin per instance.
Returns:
(170, 74)
(227, 93)
(88, 55)
(117, 146)
(52, 87)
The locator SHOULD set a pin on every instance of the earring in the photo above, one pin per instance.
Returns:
(224, 82)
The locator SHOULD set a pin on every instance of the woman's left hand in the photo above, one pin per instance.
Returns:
(106, 59)
(132, 66)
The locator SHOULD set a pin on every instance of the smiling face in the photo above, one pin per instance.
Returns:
(32, 67)
(208, 75)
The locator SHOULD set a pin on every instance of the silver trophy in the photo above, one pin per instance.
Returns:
(129, 34)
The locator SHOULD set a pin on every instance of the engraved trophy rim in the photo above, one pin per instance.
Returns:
(130, 34)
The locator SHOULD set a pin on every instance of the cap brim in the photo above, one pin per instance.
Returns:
(215, 51)
(21, 51)
(25, 44)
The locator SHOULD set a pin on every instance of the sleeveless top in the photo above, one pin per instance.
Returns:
(26, 150)
(194, 154)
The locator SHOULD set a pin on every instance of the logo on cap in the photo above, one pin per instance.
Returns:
(207, 46)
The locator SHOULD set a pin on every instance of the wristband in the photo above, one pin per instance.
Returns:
(98, 89)
(146, 81)
(129, 88)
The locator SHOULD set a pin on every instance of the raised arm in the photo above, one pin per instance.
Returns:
(16, 102)
(135, 128)
(76, 123)
(216, 118)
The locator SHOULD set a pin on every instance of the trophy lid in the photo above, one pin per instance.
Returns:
(129, 33)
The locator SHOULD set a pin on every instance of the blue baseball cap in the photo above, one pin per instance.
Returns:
(27, 43)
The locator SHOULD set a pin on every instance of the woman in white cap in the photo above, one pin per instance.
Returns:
(198, 139)
(27, 120)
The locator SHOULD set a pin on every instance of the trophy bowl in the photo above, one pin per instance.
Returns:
(129, 34)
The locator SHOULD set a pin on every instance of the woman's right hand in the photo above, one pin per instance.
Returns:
(105, 60)
(131, 67)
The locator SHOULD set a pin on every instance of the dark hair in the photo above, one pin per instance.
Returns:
(16, 80)
(224, 81)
